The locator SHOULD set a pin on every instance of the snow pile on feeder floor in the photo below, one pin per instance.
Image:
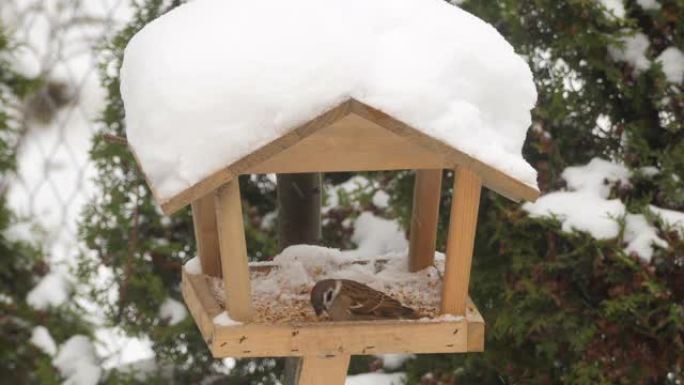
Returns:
(214, 80)
(281, 289)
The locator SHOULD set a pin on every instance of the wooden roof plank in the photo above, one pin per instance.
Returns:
(492, 178)
(218, 178)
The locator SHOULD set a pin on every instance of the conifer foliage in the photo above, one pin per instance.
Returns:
(29, 334)
(561, 306)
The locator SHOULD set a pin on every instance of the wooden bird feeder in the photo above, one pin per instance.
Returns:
(350, 137)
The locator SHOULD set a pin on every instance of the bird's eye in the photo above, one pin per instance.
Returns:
(328, 296)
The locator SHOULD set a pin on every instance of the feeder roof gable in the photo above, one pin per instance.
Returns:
(214, 85)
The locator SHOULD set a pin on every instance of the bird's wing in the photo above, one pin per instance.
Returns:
(365, 301)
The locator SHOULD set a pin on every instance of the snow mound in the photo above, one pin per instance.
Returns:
(77, 362)
(41, 338)
(381, 199)
(224, 319)
(173, 311)
(394, 361)
(213, 80)
(376, 236)
(672, 60)
(193, 266)
(282, 294)
(596, 176)
(586, 207)
(377, 379)
(632, 51)
(671, 218)
(52, 291)
(614, 8)
(649, 4)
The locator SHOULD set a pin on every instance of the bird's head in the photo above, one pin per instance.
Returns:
(323, 294)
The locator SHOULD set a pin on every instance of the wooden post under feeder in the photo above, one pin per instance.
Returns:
(350, 137)
(328, 369)
(299, 222)
(427, 192)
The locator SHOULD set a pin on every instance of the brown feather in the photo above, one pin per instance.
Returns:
(367, 302)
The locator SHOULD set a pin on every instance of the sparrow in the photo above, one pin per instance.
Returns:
(347, 300)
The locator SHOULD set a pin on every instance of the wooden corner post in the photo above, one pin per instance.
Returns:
(461, 240)
(330, 370)
(233, 249)
(206, 235)
(424, 217)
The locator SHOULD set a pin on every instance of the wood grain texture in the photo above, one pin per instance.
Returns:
(328, 338)
(493, 178)
(328, 370)
(476, 328)
(424, 217)
(201, 303)
(387, 159)
(233, 247)
(352, 143)
(476, 334)
(331, 338)
(206, 235)
(222, 176)
(461, 240)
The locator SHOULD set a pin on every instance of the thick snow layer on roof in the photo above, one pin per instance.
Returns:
(213, 80)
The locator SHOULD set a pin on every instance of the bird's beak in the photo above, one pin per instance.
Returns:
(318, 310)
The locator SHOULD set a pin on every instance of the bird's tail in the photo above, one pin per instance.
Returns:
(408, 313)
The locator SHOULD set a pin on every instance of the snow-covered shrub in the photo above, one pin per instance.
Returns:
(561, 305)
(579, 297)
(34, 317)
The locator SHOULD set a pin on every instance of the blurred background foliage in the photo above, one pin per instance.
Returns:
(22, 261)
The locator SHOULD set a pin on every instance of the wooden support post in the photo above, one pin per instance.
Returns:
(299, 222)
(424, 218)
(206, 235)
(329, 370)
(461, 240)
(299, 209)
(233, 248)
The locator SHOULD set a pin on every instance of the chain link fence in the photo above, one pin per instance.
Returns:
(57, 40)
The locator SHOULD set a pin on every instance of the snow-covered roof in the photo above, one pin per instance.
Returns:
(213, 81)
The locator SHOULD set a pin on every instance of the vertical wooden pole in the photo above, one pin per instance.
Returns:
(299, 222)
(424, 217)
(299, 209)
(461, 240)
(206, 235)
(233, 248)
(328, 370)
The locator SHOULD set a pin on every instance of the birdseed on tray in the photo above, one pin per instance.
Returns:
(281, 289)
